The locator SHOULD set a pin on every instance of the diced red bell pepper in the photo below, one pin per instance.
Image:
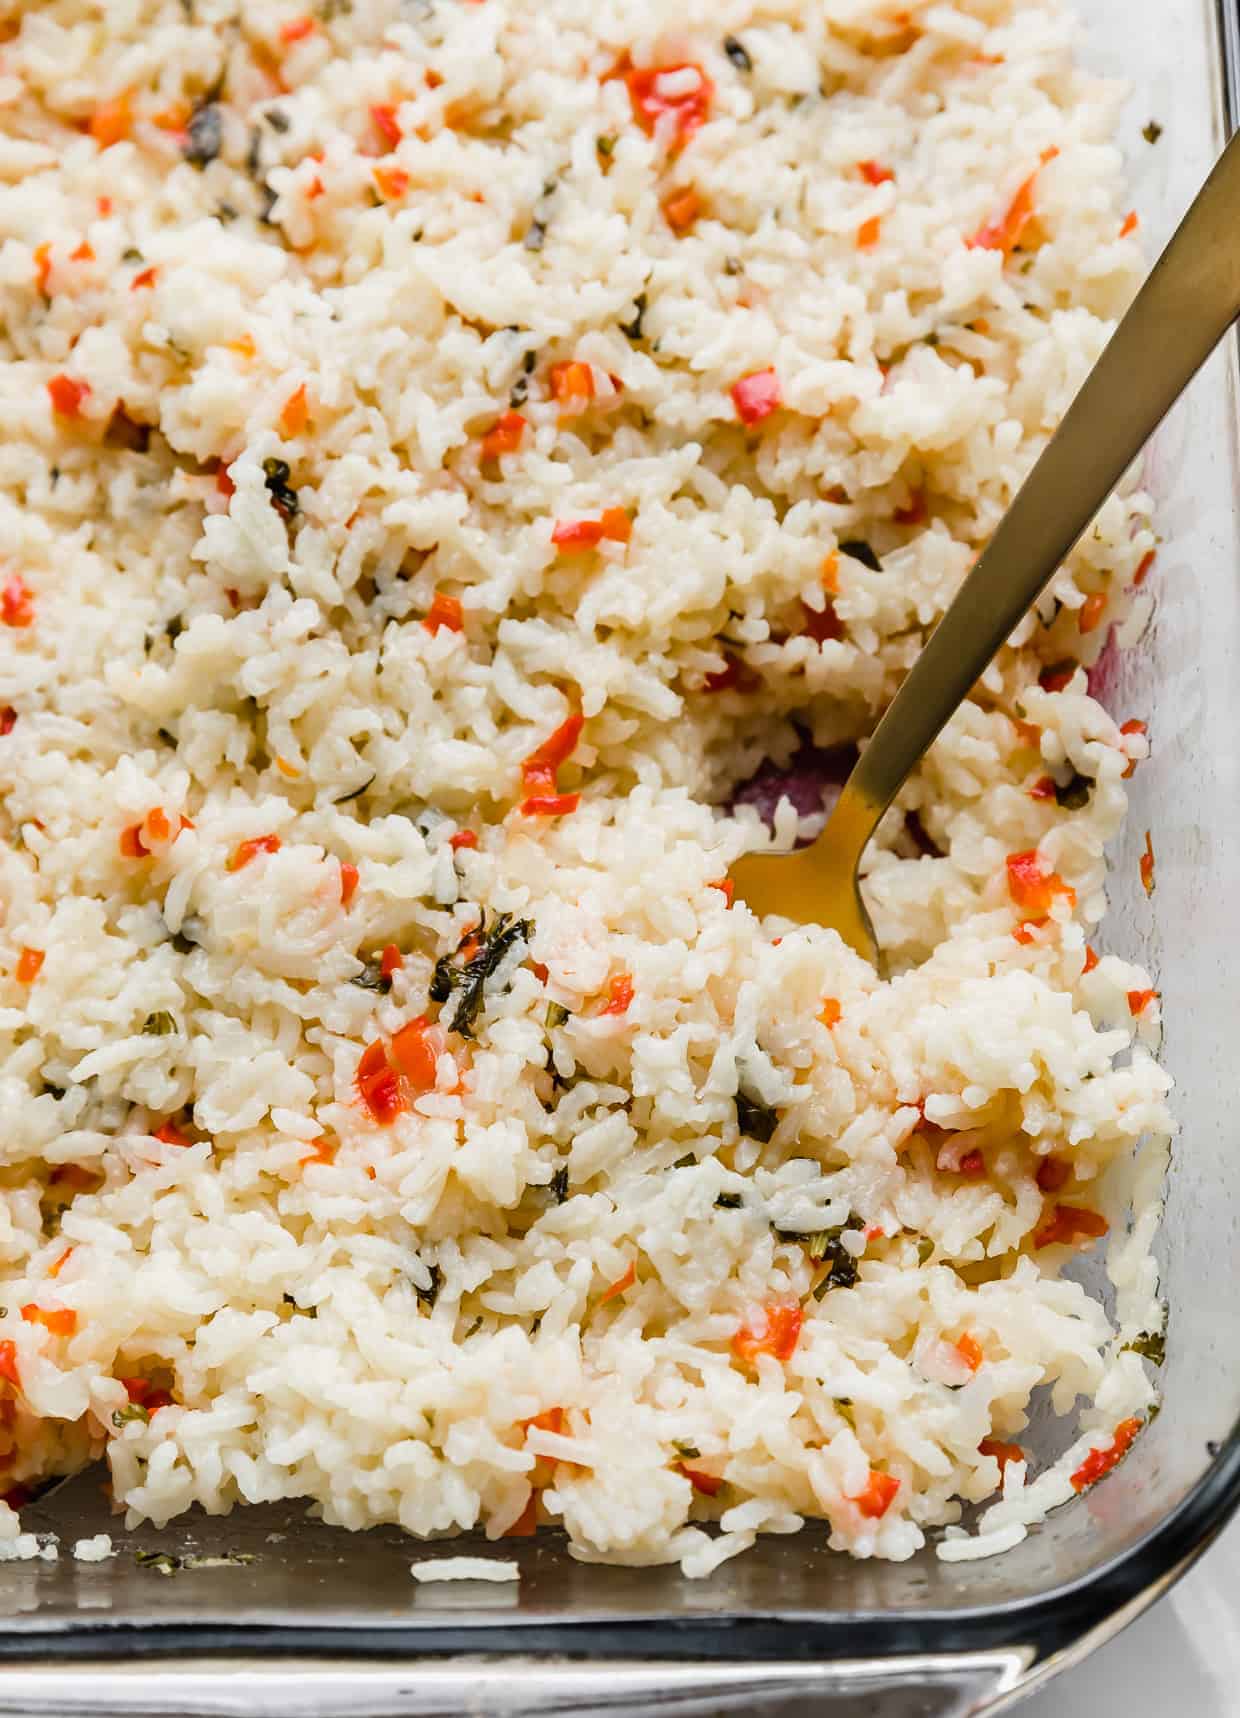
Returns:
(619, 994)
(572, 384)
(29, 963)
(416, 1050)
(348, 882)
(505, 435)
(67, 395)
(8, 1361)
(878, 1496)
(383, 117)
(656, 94)
(775, 1332)
(1002, 1453)
(874, 173)
(970, 1351)
(709, 1484)
(244, 851)
(757, 395)
(571, 536)
(539, 770)
(1032, 887)
(378, 1084)
(1100, 1462)
(1139, 1000)
(444, 611)
(16, 602)
(1068, 1224)
(58, 1320)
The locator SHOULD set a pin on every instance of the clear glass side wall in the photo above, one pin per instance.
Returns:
(1184, 676)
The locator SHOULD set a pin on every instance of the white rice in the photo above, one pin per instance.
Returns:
(464, 1569)
(366, 1316)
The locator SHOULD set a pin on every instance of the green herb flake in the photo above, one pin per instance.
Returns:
(467, 982)
(163, 1562)
(130, 1412)
(159, 1024)
(856, 550)
(557, 1014)
(686, 1452)
(1151, 1346)
(729, 1201)
(925, 1250)
(354, 792)
(372, 977)
(1074, 796)
(1152, 132)
(755, 1120)
(606, 146)
(276, 474)
(429, 1295)
(559, 1185)
(633, 330)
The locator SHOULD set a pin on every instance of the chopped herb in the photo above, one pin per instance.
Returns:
(163, 1562)
(859, 551)
(186, 940)
(633, 330)
(277, 119)
(557, 1014)
(606, 146)
(687, 1452)
(1076, 794)
(372, 977)
(131, 1411)
(535, 236)
(354, 792)
(844, 1408)
(737, 53)
(925, 1249)
(1152, 132)
(559, 1186)
(306, 1311)
(470, 979)
(276, 474)
(205, 135)
(755, 1120)
(688, 1161)
(132, 255)
(729, 1201)
(54, 1091)
(159, 1024)
(428, 1296)
(521, 387)
(1151, 1346)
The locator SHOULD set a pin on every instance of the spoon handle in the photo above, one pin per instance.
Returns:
(1179, 316)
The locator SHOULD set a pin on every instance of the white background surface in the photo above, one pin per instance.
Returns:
(1181, 1660)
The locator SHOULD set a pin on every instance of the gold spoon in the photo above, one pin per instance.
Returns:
(1181, 313)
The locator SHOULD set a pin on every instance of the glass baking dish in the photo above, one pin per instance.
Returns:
(272, 1613)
